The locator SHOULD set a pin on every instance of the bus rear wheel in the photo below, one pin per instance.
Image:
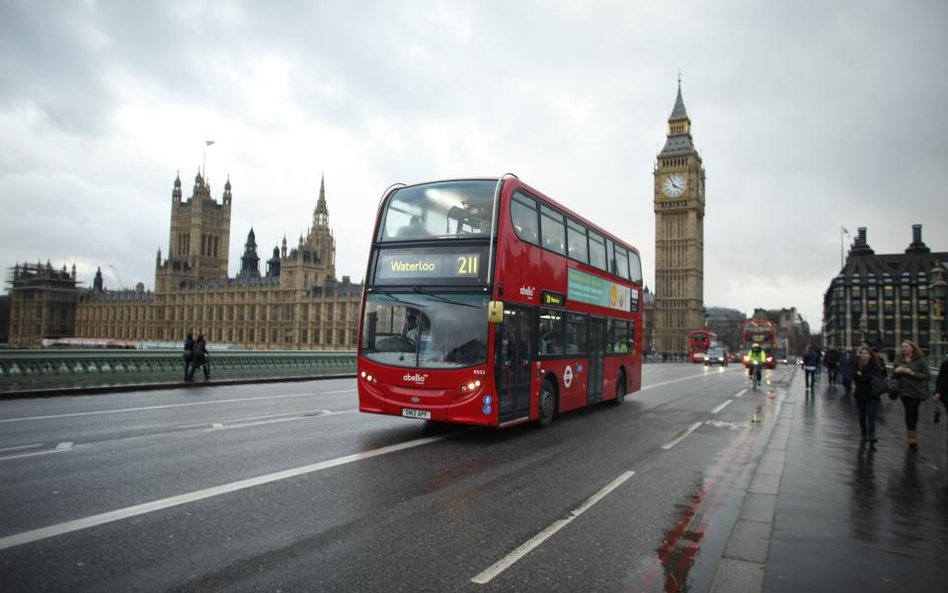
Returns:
(546, 404)
(620, 388)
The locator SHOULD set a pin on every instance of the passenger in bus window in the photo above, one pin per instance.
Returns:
(414, 229)
(546, 337)
(416, 324)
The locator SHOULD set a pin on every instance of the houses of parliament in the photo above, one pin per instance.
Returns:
(295, 303)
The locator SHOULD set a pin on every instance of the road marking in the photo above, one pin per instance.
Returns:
(682, 436)
(730, 425)
(722, 406)
(60, 448)
(273, 418)
(702, 376)
(741, 392)
(262, 420)
(18, 539)
(167, 406)
(21, 447)
(510, 559)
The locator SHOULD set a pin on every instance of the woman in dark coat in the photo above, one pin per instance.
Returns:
(847, 366)
(911, 370)
(867, 367)
(188, 354)
(200, 357)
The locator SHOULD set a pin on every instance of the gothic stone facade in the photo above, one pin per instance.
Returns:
(296, 304)
(42, 303)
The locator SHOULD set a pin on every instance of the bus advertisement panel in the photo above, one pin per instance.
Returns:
(488, 303)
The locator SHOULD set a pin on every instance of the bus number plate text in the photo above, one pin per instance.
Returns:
(412, 413)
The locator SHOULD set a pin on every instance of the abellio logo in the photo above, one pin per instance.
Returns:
(416, 378)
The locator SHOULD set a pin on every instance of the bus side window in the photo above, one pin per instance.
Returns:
(576, 334)
(523, 214)
(551, 332)
(635, 267)
(552, 230)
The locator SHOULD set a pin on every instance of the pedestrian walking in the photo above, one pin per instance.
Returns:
(911, 372)
(847, 366)
(200, 358)
(811, 362)
(831, 362)
(187, 355)
(870, 383)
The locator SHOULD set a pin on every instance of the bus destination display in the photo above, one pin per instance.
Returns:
(423, 266)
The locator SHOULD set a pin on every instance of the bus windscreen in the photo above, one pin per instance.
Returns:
(445, 209)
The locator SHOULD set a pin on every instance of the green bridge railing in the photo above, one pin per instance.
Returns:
(51, 370)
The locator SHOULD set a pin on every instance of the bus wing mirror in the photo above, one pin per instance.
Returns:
(495, 312)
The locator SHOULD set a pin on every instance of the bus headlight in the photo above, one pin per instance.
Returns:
(475, 384)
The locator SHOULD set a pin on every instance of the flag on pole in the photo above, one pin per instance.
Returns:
(845, 230)
(210, 142)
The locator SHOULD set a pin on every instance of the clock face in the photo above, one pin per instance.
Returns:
(674, 185)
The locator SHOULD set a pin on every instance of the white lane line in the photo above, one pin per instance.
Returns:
(689, 378)
(248, 423)
(261, 420)
(722, 406)
(34, 535)
(167, 406)
(21, 447)
(60, 448)
(741, 392)
(510, 559)
(682, 436)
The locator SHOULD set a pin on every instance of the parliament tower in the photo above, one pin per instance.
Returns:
(679, 235)
(199, 237)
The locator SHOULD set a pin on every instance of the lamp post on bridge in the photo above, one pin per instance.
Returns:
(938, 289)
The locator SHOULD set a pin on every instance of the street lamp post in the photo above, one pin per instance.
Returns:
(938, 291)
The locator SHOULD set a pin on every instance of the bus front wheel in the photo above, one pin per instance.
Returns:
(546, 404)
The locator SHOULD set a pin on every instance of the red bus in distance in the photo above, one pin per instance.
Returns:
(699, 342)
(488, 303)
(763, 332)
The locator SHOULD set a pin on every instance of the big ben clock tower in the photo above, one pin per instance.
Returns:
(679, 235)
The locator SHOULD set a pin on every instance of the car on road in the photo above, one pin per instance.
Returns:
(716, 356)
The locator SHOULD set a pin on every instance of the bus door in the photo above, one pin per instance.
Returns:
(512, 363)
(596, 348)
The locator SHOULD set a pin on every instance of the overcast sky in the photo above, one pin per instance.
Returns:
(809, 115)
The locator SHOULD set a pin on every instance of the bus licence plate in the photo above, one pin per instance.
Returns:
(410, 413)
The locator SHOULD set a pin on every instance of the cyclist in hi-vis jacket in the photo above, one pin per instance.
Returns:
(755, 354)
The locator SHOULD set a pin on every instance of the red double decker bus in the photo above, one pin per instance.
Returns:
(763, 332)
(699, 342)
(488, 303)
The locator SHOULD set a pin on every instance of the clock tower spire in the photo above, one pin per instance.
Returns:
(679, 234)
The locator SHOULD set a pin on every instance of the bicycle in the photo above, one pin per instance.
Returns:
(755, 373)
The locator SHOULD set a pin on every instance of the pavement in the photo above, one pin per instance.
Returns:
(826, 511)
